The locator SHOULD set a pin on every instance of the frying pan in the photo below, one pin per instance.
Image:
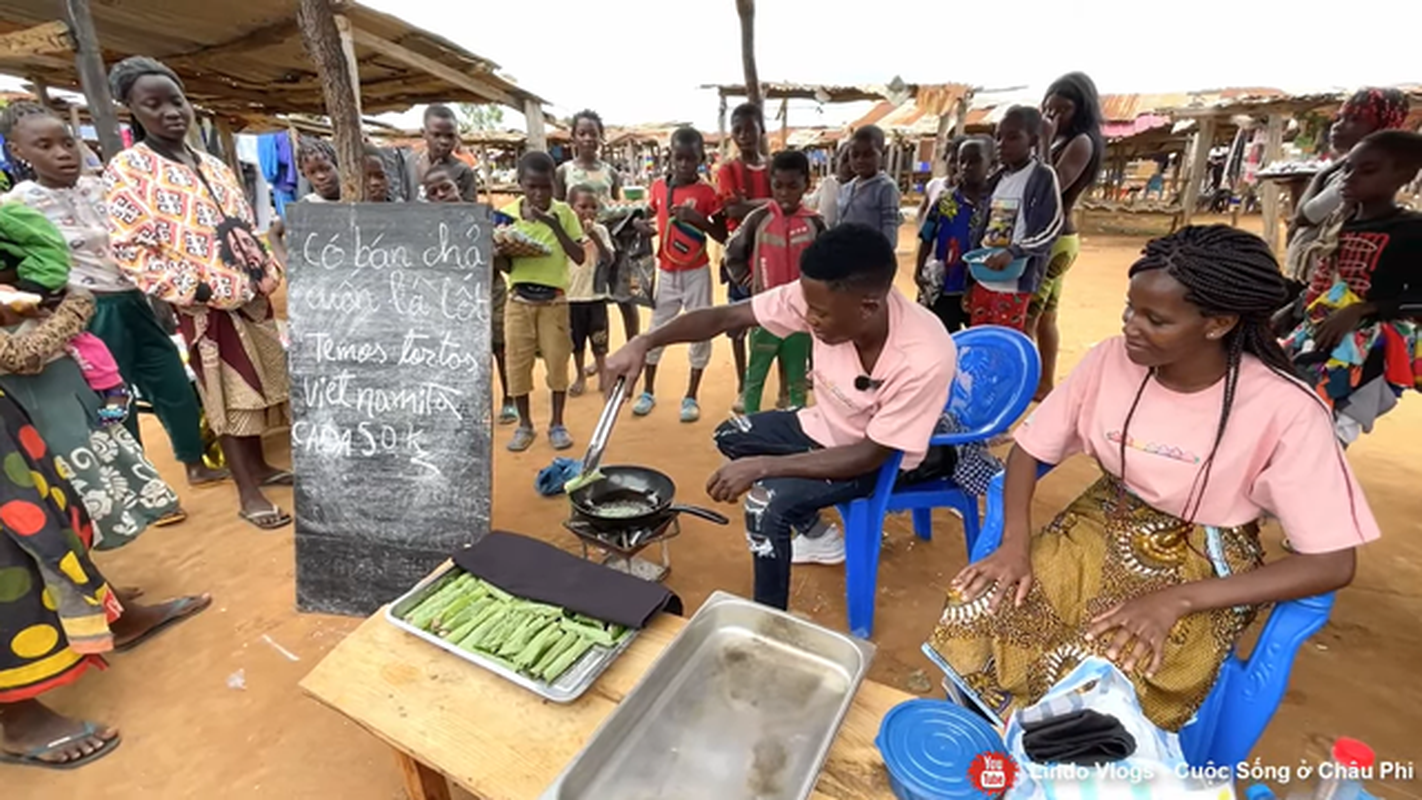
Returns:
(634, 485)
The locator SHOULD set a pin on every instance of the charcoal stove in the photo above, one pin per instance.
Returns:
(620, 548)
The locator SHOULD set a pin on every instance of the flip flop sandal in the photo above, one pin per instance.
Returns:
(522, 440)
(32, 757)
(508, 415)
(171, 518)
(559, 437)
(576, 391)
(281, 477)
(183, 608)
(268, 520)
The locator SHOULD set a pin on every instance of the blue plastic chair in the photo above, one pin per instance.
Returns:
(1248, 690)
(997, 374)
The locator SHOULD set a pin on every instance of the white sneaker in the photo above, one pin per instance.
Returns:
(826, 549)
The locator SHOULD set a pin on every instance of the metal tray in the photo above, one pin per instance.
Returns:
(744, 703)
(569, 686)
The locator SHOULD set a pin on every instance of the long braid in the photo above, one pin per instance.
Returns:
(1225, 271)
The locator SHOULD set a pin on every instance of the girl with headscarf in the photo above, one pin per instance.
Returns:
(182, 230)
(1365, 112)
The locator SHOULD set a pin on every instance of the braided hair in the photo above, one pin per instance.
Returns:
(1225, 271)
(313, 147)
(10, 119)
(126, 73)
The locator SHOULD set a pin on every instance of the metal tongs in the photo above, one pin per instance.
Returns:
(601, 434)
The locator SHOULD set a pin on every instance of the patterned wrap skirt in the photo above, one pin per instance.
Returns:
(1106, 548)
(55, 607)
(240, 366)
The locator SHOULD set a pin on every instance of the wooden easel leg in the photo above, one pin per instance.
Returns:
(421, 782)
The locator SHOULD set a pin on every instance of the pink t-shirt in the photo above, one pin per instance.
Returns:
(914, 372)
(1278, 453)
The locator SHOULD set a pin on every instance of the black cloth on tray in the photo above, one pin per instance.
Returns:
(540, 572)
(1085, 737)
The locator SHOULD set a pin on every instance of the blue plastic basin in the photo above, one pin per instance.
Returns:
(982, 274)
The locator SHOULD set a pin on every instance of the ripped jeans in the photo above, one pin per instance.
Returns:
(777, 506)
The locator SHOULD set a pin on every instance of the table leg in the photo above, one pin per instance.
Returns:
(421, 782)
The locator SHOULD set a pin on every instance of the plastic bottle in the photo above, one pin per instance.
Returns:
(1348, 754)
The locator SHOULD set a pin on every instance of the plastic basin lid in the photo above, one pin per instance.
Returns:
(929, 744)
(1352, 753)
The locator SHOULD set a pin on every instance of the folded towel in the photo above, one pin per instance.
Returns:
(1083, 737)
(551, 478)
(541, 572)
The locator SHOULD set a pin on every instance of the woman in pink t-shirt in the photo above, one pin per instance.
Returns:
(1200, 428)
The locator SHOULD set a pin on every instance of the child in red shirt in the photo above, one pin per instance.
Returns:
(744, 186)
(765, 253)
(687, 212)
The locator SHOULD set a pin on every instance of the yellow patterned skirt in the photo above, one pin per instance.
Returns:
(1106, 548)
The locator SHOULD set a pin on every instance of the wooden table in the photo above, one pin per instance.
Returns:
(447, 718)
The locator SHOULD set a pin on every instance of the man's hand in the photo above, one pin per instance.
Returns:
(644, 227)
(267, 285)
(1007, 572)
(998, 261)
(735, 478)
(1137, 630)
(627, 363)
(1339, 324)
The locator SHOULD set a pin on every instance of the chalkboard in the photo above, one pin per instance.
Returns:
(390, 392)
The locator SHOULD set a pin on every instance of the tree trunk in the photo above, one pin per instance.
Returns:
(90, 61)
(746, 10)
(317, 21)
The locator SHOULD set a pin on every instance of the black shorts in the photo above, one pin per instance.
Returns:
(588, 321)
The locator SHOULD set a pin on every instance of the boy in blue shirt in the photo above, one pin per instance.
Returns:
(948, 232)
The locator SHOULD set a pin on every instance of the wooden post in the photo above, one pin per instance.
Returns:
(784, 123)
(745, 9)
(92, 77)
(939, 167)
(487, 169)
(41, 87)
(229, 144)
(317, 21)
(343, 27)
(537, 136)
(1199, 162)
(1269, 190)
(725, 145)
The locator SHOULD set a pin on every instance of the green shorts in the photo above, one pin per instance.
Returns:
(1049, 293)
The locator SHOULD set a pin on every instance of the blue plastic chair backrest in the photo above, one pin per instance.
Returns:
(998, 370)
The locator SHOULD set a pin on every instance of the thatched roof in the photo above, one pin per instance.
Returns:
(246, 59)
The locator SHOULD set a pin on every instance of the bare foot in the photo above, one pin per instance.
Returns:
(138, 621)
(590, 370)
(200, 474)
(31, 731)
(579, 386)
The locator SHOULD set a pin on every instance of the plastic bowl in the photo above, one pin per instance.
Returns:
(928, 746)
(982, 274)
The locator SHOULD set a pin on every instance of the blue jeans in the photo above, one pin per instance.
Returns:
(775, 507)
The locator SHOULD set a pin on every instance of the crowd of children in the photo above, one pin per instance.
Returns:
(1008, 196)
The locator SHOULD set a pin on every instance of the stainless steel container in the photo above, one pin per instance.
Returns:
(569, 686)
(744, 703)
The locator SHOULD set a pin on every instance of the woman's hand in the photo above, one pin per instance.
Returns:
(1007, 571)
(1137, 630)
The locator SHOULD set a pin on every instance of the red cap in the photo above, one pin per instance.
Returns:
(1352, 753)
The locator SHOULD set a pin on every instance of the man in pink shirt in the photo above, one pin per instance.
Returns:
(882, 369)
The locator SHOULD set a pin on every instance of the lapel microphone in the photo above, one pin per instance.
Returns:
(864, 383)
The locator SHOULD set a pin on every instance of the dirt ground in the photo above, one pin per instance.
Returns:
(211, 709)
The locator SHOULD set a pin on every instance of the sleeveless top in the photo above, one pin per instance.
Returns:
(599, 178)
